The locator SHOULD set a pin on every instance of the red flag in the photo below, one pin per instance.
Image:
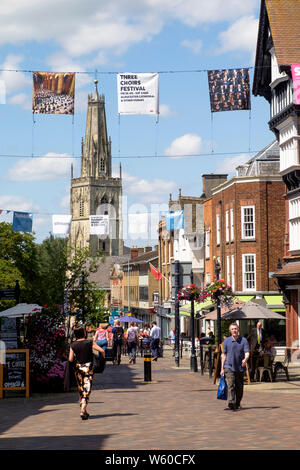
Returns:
(155, 272)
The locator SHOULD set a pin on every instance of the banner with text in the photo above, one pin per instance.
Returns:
(53, 93)
(99, 225)
(138, 93)
(61, 224)
(296, 82)
(22, 222)
(229, 90)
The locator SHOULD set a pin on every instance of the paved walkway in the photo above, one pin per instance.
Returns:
(178, 410)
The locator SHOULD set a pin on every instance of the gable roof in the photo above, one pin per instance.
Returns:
(284, 19)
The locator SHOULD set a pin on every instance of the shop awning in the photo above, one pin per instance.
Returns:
(275, 302)
(186, 309)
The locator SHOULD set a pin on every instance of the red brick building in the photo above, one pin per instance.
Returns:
(241, 226)
(278, 48)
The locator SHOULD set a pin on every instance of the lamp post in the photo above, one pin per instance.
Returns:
(194, 366)
(217, 272)
(177, 323)
(82, 280)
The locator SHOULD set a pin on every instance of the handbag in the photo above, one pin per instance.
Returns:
(222, 389)
(99, 363)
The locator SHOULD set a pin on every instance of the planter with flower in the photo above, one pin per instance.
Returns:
(192, 292)
(220, 290)
(45, 339)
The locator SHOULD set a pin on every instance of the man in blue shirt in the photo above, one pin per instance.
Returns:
(234, 359)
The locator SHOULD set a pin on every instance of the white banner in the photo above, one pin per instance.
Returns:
(99, 225)
(61, 224)
(138, 93)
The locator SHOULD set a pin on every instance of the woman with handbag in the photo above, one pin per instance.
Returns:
(81, 353)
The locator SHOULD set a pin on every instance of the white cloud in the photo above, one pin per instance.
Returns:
(165, 111)
(21, 99)
(188, 144)
(228, 165)
(141, 186)
(50, 166)
(14, 81)
(82, 28)
(193, 45)
(240, 36)
(16, 203)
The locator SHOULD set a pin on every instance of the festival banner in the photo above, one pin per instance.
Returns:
(229, 90)
(22, 222)
(61, 224)
(296, 82)
(53, 93)
(99, 224)
(174, 220)
(138, 93)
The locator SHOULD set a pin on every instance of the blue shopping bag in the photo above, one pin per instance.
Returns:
(222, 389)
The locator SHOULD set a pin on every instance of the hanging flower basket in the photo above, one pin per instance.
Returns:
(192, 292)
(219, 289)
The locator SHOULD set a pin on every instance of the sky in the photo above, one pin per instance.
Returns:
(97, 39)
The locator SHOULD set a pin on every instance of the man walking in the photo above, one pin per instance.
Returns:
(154, 340)
(234, 359)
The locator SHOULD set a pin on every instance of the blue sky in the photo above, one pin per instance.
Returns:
(122, 36)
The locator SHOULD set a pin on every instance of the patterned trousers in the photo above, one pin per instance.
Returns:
(84, 377)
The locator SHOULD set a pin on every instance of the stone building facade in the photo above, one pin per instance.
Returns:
(96, 191)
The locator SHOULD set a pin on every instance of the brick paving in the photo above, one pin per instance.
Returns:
(178, 410)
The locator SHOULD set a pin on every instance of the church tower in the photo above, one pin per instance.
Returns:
(96, 191)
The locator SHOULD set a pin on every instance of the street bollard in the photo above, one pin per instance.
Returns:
(147, 365)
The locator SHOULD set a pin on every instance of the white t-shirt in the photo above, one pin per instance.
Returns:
(132, 334)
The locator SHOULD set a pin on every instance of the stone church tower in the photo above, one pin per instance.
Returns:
(95, 191)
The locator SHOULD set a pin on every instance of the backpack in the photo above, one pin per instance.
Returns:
(118, 334)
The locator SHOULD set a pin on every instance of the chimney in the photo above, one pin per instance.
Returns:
(134, 252)
(211, 181)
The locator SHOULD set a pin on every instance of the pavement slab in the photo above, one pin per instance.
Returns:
(178, 410)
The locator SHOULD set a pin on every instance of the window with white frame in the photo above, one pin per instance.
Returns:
(248, 222)
(232, 273)
(294, 224)
(228, 269)
(227, 225)
(218, 228)
(231, 225)
(207, 244)
(249, 272)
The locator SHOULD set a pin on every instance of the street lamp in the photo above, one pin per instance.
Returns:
(82, 279)
(217, 272)
(194, 366)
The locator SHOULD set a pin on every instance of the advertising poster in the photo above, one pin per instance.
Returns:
(138, 93)
(99, 225)
(229, 90)
(296, 82)
(53, 93)
(61, 224)
(22, 222)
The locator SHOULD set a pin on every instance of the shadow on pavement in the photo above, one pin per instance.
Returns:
(90, 442)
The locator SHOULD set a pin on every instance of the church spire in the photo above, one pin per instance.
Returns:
(96, 151)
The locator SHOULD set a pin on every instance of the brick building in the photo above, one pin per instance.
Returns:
(139, 286)
(242, 226)
(278, 46)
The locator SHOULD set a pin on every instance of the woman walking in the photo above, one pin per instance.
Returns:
(81, 352)
(101, 336)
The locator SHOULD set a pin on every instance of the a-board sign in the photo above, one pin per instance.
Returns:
(14, 373)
